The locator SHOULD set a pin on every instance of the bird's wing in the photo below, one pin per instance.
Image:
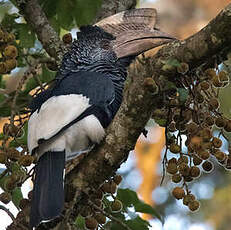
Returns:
(73, 98)
(95, 86)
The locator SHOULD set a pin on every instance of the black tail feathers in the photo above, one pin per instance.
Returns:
(48, 192)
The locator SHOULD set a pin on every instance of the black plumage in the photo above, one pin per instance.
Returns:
(87, 70)
(69, 118)
(48, 197)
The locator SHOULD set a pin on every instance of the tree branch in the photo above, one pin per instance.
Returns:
(140, 98)
(35, 16)
(213, 41)
(109, 216)
(139, 101)
(110, 7)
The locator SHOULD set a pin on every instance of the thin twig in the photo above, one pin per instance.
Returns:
(35, 16)
(163, 163)
(39, 82)
(3, 173)
(25, 76)
(8, 212)
(29, 174)
(109, 215)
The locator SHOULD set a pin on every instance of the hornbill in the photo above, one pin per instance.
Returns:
(69, 118)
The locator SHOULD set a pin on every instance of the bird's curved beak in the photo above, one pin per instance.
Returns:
(134, 31)
(134, 43)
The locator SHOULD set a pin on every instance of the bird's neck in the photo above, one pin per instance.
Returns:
(117, 71)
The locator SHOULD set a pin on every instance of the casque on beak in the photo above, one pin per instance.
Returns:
(134, 44)
(134, 31)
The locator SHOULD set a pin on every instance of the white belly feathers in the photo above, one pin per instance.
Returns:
(53, 115)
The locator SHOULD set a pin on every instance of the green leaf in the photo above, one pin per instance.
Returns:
(170, 65)
(166, 84)
(16, 193)
(85, 11)
(14, 166)
(68, 12)
(129, 198)
(183, 95)
(46, 76)
(22, 140)
(134, 224)
(114, 225)
(2, 136)
(80, 222)
(2, 97)
(17, 168)
(118, 215)
(2, 83)
(65, 11)
(146, 208)
(13, 2)
(138, 223)
(25, 35)
(21, 102)
(55, 24)
(49, 7)
(4, 8)
(8, 21)
(3, 180)
(161, 121)
(31, 84)
(17, 196)
(173, 62)
(5, 109)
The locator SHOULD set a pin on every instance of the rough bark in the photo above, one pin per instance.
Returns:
(139, 100)
(110, 7)
(35, 16)
(212, 42)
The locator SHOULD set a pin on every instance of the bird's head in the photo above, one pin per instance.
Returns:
(135, 32)
(115, 40)
(94, 45)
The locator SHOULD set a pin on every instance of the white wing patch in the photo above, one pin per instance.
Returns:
(56, 113)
